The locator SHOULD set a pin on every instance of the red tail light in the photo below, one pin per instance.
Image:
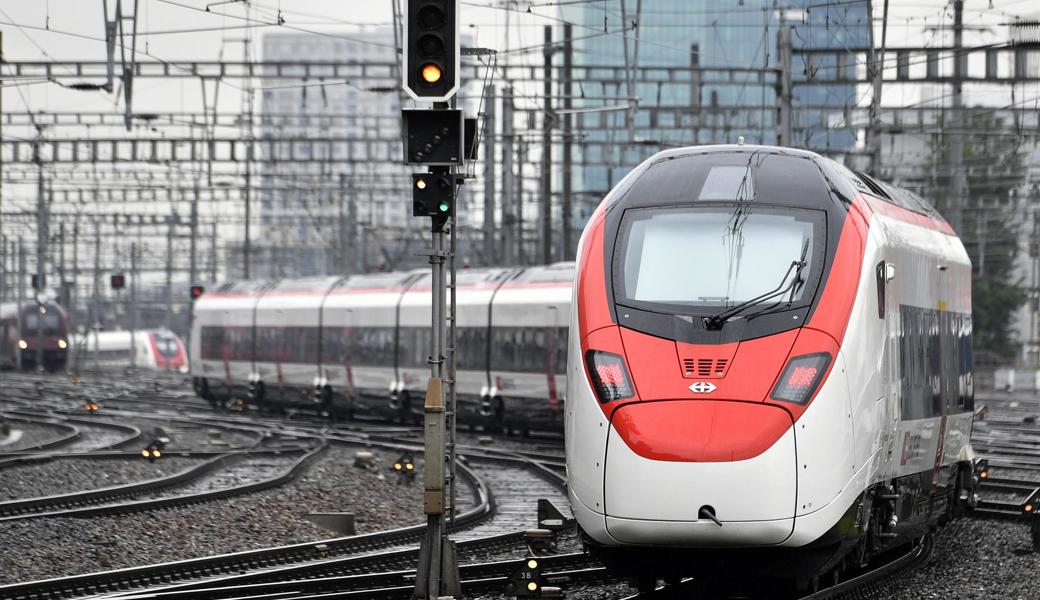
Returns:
(801, 378)
(609, 376)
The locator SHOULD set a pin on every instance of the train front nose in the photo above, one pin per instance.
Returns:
(700, 472)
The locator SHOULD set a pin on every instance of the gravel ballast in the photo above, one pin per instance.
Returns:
(32, 434)
(42, 548)
(62, 476)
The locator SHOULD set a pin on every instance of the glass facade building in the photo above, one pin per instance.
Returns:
(679, 108)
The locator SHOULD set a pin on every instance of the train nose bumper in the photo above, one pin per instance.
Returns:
(671, 464)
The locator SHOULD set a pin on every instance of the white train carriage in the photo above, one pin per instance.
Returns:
(360, 344)
(474, 291)
(528, 348)
(148, 349)
(223, 340)
(359, 332)
(288, 342)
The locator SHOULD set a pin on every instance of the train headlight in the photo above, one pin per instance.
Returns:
(23, 344)
(609, 376)
(801, 378)
(397, 466)
(63, 344)
(146, 452)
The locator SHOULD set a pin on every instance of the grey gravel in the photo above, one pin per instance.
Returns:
(33, 434)
(62, 476)
(42, 548)
(973, 559)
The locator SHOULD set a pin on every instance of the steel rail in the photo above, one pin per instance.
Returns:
(109, 582)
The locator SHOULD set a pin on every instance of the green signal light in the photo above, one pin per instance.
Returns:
(443, 207)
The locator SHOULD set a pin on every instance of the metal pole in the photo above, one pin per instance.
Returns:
(3, 267)
(97, 291)
(193, 265)
(133, 304)
(433, 473)
(521, 155)
(452, 356)
(783, 96)
(508, 203)
(567, 206)
(170, 225)
(21, 293)
(41, 252)
(878, 66)
(73, 292)
(341, 258)
(213, 252)
(489, 175)
(355, 239)
(547, 124)
(958, 177)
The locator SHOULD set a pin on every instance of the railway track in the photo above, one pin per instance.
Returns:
(123, 499)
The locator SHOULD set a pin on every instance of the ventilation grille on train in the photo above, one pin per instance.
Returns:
(705, 367)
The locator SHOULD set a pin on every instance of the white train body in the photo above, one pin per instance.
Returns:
(834, 425)
(148, 349)
(360, 344)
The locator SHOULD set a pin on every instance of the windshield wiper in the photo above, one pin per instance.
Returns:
(715, 322)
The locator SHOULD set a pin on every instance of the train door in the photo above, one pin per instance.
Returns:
(888, 409)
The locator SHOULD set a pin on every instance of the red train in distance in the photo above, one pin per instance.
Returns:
(21, 326)
(769, 372)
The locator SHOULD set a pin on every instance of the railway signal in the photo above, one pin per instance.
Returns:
(526, 580)
(433, 195)
(196, 291)
(433, 137)
(117, 281)
(431, 49)
(405, 469)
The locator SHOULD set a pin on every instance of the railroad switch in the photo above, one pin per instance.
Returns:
(540, 541)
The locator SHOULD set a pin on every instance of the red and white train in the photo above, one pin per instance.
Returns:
(769, 368)
(24, 327)
(360, 344)
(148, 349)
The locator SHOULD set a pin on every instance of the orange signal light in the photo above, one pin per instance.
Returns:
(431, 73)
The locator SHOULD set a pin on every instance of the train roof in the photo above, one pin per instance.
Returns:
(562, 272)
(843, 180)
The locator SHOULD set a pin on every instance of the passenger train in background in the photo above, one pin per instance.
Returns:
(147, 349)
(20, 330)
(770, 371)
(360, 345)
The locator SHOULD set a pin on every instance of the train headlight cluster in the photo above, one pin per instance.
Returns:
(63, 344)
(801, 377)
(609, 376)
(23, 344)
(92, 407)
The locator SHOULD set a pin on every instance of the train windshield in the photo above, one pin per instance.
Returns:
(167, 345)
(51, 323)
(707, 259)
